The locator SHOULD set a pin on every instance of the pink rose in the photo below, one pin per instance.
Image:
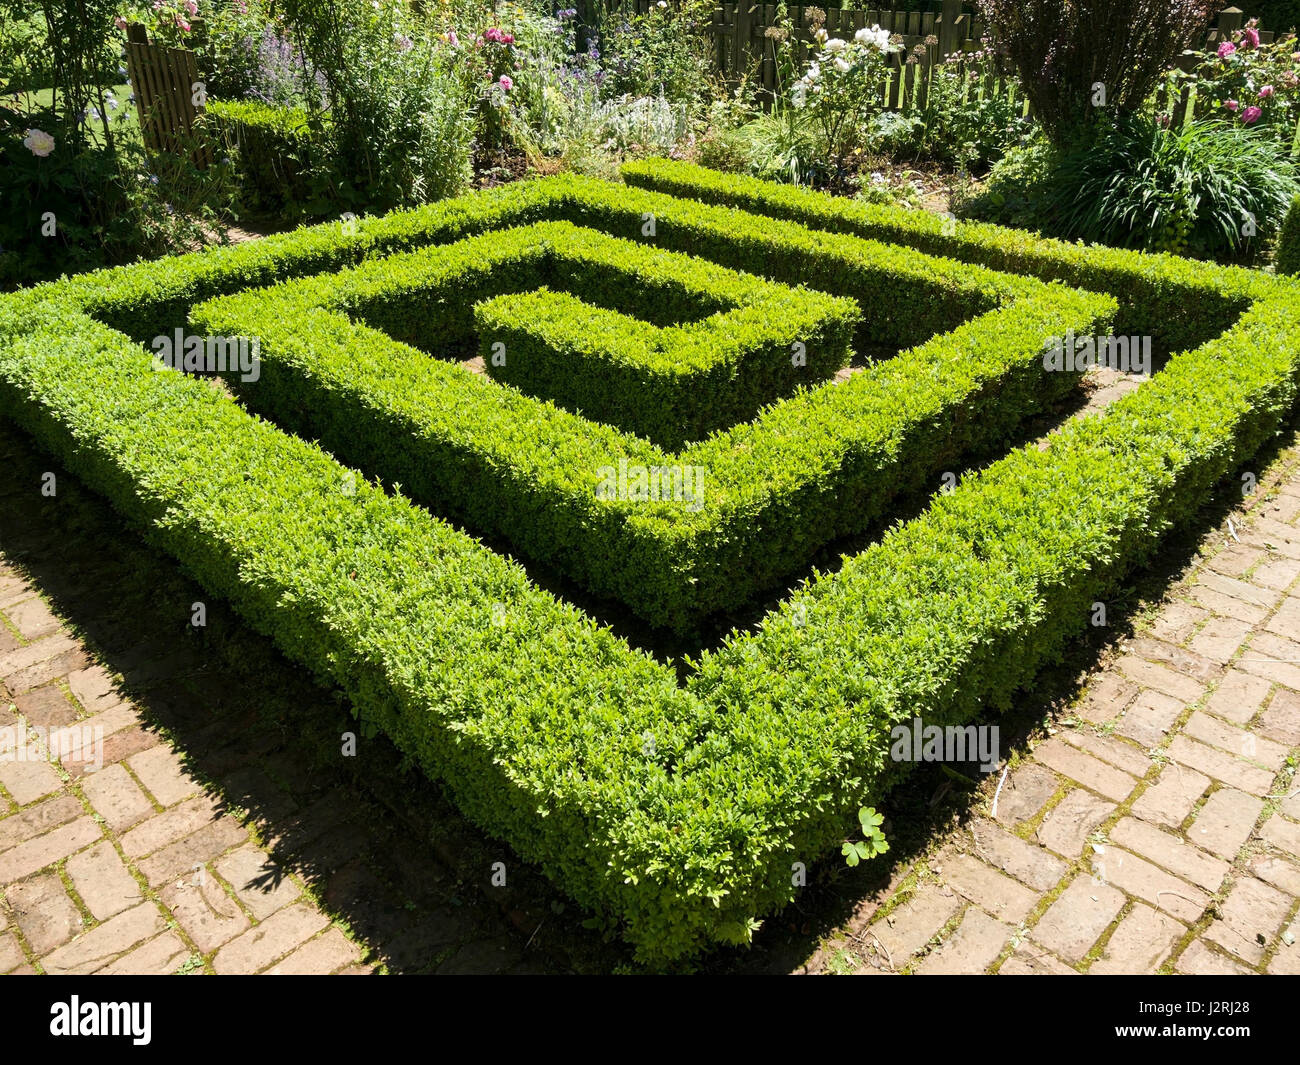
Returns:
(1266, 92)
(1251, 114)
(191, 7)
(1231, 105)
(1252, 37)
(452, 39)
(506, 82)
(1226, 49)
(184, 26)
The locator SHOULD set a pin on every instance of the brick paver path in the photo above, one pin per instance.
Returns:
(1154, 827)
(131, 866)
(222, 831)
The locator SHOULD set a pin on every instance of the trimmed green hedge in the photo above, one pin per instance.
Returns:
(1176, 301)
(1288, 241)
(276, 149)
(707, 347)
(763, 495)
(532, 713)
(675, 812)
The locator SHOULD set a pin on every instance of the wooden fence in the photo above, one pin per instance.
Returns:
(168, 96)
(742, 46)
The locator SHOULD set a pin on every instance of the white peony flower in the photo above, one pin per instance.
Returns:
(835, 46)
(842, 65)
(38, 142)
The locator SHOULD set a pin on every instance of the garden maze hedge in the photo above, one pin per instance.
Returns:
(685, 330)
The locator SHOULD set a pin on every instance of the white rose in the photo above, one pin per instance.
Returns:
(835, 46)
(843, 65)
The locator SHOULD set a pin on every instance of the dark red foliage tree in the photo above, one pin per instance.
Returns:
(1065, 51)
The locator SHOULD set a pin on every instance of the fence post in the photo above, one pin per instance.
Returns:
(744, 39)
(1230, 20)
(948, 27)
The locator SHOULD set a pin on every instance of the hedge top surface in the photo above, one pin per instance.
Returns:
(832, 452)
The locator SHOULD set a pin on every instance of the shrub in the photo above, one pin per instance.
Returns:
(1064, 50)
(276, 151)
(1288, 243)
(674, 812)
(1016, 185)
(399, 130)
(661, 52)
(840, 90)
(775, 491)
(1211, 189)
(76, 209)
(959, 125)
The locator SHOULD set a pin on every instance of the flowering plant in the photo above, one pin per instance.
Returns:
(173, 21)
(1246, 81)
(843, 86)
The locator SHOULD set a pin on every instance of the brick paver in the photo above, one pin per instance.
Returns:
(1158, 829)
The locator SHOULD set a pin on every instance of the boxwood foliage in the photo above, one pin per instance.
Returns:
(1178, 302)
(1288, 241)
(276, 152)
(751, 503)
(665, 346)
(675, 812)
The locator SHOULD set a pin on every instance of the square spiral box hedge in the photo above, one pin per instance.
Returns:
(652, 325)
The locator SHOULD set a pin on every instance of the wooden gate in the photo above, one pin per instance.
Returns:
(168, 96)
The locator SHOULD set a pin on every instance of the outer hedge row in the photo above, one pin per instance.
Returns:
(540, 726)
(531, 713)
(1179, 302)
(951, 613)
(819, 465)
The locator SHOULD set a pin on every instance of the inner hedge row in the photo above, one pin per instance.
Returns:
(1179, 302)
(673, 348)
(762, 496)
